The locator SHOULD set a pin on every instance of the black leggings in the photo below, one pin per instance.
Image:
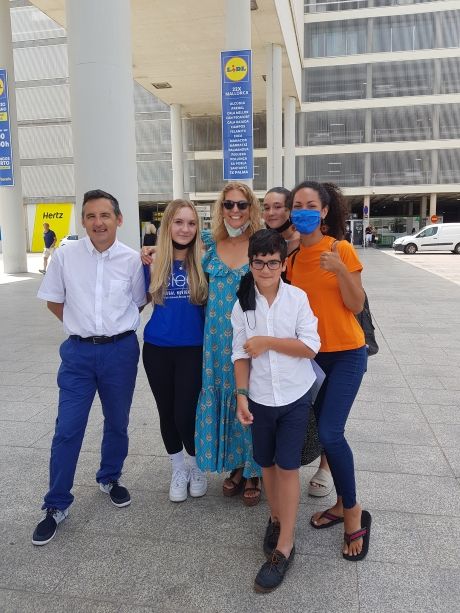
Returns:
(174, 375)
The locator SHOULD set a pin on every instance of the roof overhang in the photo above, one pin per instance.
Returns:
(179, 42)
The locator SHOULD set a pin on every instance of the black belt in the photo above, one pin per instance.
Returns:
(101, 340)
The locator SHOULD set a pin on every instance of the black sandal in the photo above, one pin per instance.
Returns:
(364, 532)
(333, 520)
(236, 487)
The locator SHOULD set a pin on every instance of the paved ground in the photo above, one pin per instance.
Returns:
(202, 555)
(446, 265)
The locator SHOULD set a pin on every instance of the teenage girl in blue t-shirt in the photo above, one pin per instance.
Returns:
(173, 341)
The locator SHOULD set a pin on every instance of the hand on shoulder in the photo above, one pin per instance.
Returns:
(148, 255)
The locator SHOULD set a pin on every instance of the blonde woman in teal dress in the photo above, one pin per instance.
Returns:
(222, 444)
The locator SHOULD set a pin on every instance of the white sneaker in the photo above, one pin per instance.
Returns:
(179, 485)
(198, 482)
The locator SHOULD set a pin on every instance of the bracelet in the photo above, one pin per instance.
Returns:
(241, 391)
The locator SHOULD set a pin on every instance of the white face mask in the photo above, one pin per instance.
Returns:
(234, 232)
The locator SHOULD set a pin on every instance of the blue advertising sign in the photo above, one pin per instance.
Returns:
(237, 134)
(6, 154)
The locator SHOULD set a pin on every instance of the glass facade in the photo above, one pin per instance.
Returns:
(43, 103)
(398, 122)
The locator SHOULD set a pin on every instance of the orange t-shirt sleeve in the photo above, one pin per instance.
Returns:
(349, 256)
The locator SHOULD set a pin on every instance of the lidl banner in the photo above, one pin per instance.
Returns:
(58, 216)
(237, 134)
(6, 152)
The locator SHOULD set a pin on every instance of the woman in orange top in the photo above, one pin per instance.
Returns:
(329, 271)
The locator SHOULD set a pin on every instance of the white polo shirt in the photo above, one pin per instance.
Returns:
(277, 379)
(101, 292)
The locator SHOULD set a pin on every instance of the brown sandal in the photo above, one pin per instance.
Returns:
(236, 487)
(251, 501)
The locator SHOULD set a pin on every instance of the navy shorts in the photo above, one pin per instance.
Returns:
(278, 433)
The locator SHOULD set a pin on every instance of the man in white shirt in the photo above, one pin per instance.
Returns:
(274, 338)
(96, 288)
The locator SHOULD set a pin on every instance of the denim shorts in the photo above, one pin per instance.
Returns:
(278, 433)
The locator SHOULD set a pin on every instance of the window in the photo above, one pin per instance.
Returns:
(335, 38)
(427, 232)
(403, 33)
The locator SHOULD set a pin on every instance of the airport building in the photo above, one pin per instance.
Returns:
(363, 93)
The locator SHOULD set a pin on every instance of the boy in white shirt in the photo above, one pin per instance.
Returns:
(274, 339)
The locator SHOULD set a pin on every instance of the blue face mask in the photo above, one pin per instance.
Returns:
(305, 220)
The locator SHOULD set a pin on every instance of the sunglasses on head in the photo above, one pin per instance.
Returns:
(241, 204)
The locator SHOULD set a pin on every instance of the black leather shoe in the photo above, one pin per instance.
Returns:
(271, 537)
(271, 575)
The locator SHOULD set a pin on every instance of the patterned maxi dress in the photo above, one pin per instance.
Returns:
(221, 442)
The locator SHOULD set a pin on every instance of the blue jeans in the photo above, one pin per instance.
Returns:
(344, 372)
(110, 370)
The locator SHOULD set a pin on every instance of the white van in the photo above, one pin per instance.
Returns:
(438, 237)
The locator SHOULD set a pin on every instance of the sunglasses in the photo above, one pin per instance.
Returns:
(271, 264)
(241, 204)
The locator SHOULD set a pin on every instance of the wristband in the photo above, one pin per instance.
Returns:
(241, 391)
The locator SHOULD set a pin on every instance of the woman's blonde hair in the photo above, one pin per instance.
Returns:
(164, 255)
(218, 229)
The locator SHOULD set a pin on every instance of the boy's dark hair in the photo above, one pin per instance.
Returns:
(267, 241)
(95, 194)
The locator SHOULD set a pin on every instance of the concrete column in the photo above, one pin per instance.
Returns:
(238, 31)
(423, 206)
(237, 24)
(177, 151)
(301, 129)
(102, 104)
(433, 198)
(289, 142)
(274, 117)
(12, 219)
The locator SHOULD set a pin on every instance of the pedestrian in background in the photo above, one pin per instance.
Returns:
(150, 236)
(49, 238)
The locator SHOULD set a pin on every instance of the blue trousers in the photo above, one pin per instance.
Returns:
(344, 372)
(85, 369)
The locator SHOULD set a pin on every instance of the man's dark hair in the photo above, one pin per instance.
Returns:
(95, 194)
(267, 241)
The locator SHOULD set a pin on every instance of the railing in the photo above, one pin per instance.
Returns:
(408, 88)
(333, 138)
(449, 176)
(406, 177)
(449, 132)
(392, 134)
(343, 180)
(323, 6)
(341, 94)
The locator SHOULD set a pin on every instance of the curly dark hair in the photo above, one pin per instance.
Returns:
(331, 196)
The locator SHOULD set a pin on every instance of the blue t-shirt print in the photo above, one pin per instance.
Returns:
(177, 322)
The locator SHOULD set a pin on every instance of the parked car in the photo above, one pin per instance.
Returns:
(68, 239)
(438, 237)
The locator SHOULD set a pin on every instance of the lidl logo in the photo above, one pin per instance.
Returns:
(2, 87)
(236, 69)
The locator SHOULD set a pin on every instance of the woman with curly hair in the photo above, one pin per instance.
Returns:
(327, 268)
